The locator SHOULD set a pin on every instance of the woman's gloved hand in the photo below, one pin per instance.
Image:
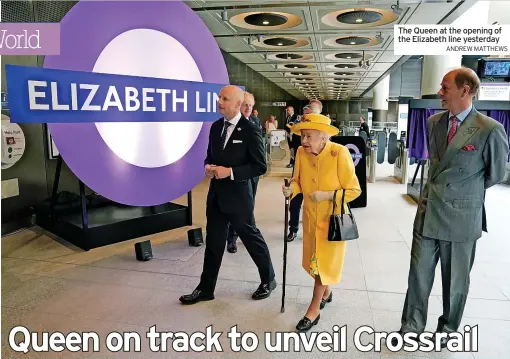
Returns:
(319, 196)
(287, 191)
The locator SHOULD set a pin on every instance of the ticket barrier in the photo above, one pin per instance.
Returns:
(400, 171)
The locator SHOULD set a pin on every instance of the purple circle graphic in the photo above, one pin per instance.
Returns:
(85, 31)
(356, 152)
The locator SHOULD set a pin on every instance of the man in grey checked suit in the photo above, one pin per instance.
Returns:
(468, 153)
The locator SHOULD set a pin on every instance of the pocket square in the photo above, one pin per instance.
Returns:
(469, 148)
(237, 141)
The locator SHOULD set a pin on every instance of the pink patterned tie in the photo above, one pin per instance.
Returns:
(453, 129)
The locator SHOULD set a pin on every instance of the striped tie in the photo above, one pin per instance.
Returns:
(226, 125)
(453, 129)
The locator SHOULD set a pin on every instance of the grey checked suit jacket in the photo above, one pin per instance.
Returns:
(452, 203)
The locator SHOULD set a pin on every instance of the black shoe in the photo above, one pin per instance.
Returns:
(290, 165)
(291, 237)
(306, 324)
(444, 341)
(195, 297)
(328, 300)
(264, 290)
(231, 247)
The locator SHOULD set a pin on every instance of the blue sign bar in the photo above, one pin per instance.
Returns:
(62, 96)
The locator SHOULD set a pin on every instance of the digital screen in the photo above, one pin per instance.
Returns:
(497, 68)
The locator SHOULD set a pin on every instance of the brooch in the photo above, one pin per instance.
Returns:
(333, 153)
(239, 128)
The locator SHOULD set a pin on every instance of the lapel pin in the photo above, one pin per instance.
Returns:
(471, 130)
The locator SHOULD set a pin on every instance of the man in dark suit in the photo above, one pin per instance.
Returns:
(246, 111)
(467, 153)
(292, 140)
(235, 155)
(364, 126)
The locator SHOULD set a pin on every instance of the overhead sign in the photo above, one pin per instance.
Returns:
(141, 155)
(63, 96)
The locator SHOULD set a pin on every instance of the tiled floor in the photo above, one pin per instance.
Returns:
(53, 287)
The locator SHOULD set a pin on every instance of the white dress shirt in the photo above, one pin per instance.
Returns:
(230, 130)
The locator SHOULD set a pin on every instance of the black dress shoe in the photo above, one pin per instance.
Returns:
(291, 237)
(306, 324)
(264, 290)
(195, 297)
(231, 248)
(327, 300)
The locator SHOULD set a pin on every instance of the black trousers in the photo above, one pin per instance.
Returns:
(232, 235)
(243, 222)
(295, 209)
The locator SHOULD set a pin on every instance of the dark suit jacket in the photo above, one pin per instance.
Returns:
(244, 153)
(255, 121)
(452, 204)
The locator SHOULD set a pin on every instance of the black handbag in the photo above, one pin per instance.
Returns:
(342, 227)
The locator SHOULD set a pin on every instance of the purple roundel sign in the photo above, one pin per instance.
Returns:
(356, 156)
(138, 163)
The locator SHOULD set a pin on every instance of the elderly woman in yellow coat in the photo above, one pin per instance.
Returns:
(321, 167)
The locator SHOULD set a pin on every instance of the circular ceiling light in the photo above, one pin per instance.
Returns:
(348, 55)
(353, 40)
(345, 66)
(296, 66)
(300, 73)
(286, 56)
(359, 17)
(279, 42)
(267, 20)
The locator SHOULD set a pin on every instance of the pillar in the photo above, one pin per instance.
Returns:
(433, 70)
(380, 102)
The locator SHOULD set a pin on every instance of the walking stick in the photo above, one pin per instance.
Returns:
(287, 201)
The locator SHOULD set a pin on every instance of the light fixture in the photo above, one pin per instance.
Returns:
(295, 67)
(224, 15)
(353, 43)
(280, 44)
(265, 22)
(396, 9)
(359, 20)
(349, 57)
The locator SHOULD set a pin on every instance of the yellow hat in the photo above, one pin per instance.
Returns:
(315, 121)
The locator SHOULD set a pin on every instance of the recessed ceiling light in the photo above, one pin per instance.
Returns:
(295, 67)
(265, 22)
(349, 57)
(353, 43)
(359, 20)
(280, 44)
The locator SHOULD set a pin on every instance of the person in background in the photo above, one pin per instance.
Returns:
(297, 201)
(364, 126)
(235, 155)
(246, 111)
(289, 121)
(468, 152)
(255, 115)
(321, 168)
(271, 124)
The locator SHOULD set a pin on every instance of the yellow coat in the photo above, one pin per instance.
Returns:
(332, 169)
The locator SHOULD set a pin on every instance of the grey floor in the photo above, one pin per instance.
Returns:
(49, 286)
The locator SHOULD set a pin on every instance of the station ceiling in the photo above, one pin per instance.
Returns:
(313, 49)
